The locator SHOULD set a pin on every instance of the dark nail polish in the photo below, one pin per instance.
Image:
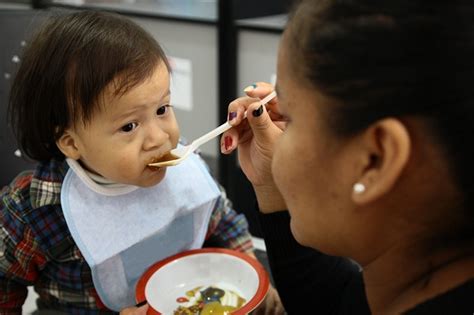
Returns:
(258, 111)
(232, 115)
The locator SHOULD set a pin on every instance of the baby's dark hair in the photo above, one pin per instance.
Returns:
(65, 69)
(392, 58)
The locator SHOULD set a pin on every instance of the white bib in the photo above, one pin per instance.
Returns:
(122, 234)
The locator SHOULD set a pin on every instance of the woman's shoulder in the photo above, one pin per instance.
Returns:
(458, 300)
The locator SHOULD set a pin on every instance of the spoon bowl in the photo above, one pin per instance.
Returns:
(179, 154)
(174, 157)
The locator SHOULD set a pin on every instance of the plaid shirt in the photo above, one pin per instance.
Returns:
(36, 247)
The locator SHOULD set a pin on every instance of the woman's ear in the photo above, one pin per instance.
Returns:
(67, 143)
(386, 153)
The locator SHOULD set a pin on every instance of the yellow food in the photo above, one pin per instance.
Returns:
(209, 301)
(216, 308)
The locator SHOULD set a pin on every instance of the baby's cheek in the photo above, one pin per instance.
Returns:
(128, 167)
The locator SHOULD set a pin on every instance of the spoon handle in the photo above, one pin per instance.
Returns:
(211, 134)
(226, 126)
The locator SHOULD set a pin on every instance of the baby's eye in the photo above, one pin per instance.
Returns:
(129, 127)
(162, 110)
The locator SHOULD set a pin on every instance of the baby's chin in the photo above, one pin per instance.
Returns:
(151, 177)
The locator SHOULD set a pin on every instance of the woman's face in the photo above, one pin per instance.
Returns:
(312, 167)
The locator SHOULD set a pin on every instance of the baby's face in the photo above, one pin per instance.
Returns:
(129, 131)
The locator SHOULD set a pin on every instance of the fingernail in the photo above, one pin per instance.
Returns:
(140, 304)
(250, 88)
(227, 143)
(231, 116)
(258, 111)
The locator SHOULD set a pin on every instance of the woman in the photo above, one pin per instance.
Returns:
(365, 147)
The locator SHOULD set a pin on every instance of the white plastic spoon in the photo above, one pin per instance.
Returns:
(177, 155)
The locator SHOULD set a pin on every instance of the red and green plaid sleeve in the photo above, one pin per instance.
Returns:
(229, 228)
(20, 258)
(12, 296)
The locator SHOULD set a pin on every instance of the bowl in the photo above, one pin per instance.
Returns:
(167, 284)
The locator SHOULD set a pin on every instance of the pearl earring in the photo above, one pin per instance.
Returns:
(359, 188)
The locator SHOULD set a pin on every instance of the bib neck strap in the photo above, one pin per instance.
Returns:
(98, 183)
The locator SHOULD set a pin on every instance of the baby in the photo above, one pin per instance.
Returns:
(91, 104)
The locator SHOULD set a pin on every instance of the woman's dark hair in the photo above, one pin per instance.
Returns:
(65, 69)
(392, 58)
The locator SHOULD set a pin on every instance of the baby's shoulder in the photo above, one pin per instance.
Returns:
(33, 189)
(15, 197)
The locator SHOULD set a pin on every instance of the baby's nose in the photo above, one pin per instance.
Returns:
(155, 137)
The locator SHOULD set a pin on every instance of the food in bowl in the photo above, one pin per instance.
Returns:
(165, 283)
(209, 300)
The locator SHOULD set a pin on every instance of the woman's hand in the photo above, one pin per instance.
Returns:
(255, 138)
(135, 310)
(271, 305)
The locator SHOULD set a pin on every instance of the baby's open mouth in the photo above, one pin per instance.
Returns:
(165, 157)
(153, 160)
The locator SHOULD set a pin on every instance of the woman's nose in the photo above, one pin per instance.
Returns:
(155, 137)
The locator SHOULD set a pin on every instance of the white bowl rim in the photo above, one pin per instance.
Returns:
(263, 280)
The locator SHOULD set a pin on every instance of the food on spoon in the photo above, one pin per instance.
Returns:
(167, 157)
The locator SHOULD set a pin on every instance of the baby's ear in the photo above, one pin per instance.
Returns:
(68, 146)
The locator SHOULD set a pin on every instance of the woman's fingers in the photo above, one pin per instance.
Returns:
(271, 305)
(229, 141)
(259, 89)
(256, 92)
(142, 310)
(264, 129)
(235, 136)
(237, 108)
(263, 123)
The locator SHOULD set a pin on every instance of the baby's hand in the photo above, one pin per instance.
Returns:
(135, 310)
